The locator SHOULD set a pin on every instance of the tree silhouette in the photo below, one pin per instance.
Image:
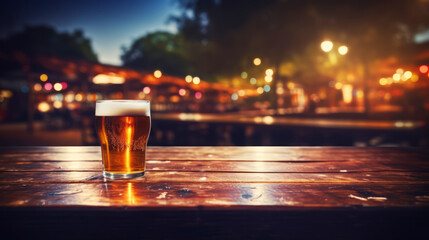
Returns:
(46, 41)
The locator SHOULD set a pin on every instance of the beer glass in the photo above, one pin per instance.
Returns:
(123, 128)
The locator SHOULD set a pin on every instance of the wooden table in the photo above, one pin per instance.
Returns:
(217, 193)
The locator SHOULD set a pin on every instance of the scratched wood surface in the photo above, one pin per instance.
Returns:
(213, 188)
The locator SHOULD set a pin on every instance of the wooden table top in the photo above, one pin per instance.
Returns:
(213, 182)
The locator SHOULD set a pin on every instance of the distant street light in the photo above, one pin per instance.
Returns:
(326, 46)
(343, 50)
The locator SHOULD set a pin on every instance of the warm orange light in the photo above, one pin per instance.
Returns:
(174, 99)
(268, 79)
(146, 90)
(43, 77)
(383, 81)
(423, 69)
(326, 46)
(342, 50)
(196, 80)
(43, 107)
(257, 61)
(260, 90)
(188, 79)
(58, 104)
(338, 85)
(78, 97)
(269, 72)
(58, 87)
(157, 73)
(37, 87)
(241, 93)
(110, 78)
(347, 93)
(396, 77)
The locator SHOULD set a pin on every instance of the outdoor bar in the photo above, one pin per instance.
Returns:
(214, 119)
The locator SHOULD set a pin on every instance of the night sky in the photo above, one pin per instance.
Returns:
(110, 24)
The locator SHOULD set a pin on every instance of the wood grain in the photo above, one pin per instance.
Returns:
(218, 192)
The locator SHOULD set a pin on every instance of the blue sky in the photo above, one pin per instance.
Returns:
(109, 24)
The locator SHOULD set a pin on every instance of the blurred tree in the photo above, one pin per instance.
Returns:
(234, 32)
(165, 51)
(46, 41)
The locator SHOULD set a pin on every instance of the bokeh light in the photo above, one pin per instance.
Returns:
(260, 90)
(326, 46)
(182, 92)
(234, 96)
(48, 86)
(253, 81)
(58, 104)
(37, 87)
(342, 50)
(58, 87)
(43, 107)
(198, 95)
(196, 80)
(146, 90)
(188, 79)
(257, 61)
(43, 77)
(157, 73)
(423, 69)
(267, 88)
(269, 72)
(244, 75)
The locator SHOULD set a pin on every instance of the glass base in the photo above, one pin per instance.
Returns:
(119, 175)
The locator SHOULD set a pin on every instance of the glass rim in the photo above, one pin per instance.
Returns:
(123, 100)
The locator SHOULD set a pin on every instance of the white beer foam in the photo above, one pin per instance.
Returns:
(122, 108)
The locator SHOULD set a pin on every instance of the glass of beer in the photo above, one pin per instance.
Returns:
(123, 128)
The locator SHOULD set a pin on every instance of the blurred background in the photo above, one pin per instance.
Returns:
(217, 72)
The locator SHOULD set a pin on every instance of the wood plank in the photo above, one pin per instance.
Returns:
(214, 195)
(226, 166)
(224, 153)
(220, 177)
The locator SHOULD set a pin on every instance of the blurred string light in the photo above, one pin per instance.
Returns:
(79, 97)
(423, 69)
(342, 50)
(260, 90)
(241, 93)
(257, 61)
(43, 77)
(58, 104)
(43, 107)
(400, 71)
(188, 79)
(396, 77)
(146, 90)
(267, 88)
(58, 87)
(269, 72)
(244, 75)
(48, 86)
(157, 73)
(234, 96)
(407, 75)
(338, 85)
(253, 81)
(110, 78)
(64, 85)
(268, 79)
(37, 87)
(69, 97)
(182, 92)
(326, 46)
(196, 80)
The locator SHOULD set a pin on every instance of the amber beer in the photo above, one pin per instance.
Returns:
(123, 128)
